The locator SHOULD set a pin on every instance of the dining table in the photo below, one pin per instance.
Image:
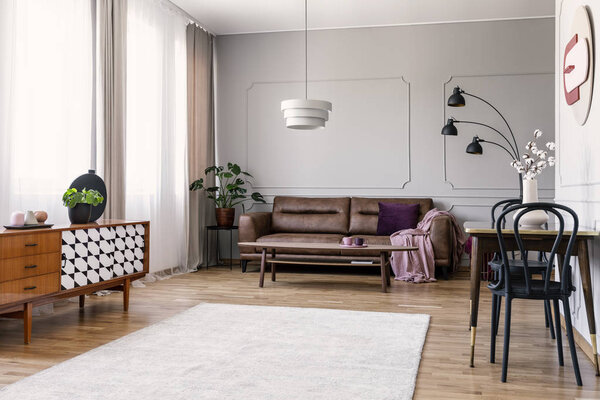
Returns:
(485, 242)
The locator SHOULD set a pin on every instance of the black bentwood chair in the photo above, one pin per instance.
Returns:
(540, 269)
(516, 280)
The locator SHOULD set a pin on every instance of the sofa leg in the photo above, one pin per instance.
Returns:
(445, 273)
(244, 263)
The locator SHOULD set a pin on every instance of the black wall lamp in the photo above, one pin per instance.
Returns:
(457, 99)
(475, 147)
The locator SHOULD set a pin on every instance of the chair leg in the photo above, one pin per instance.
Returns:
(506, 338)
(547, 308)
(571, 340)
(498, 310)
(494, 329)
(549, 323)
(558, 334)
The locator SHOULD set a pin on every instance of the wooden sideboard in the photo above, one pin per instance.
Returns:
(40, 266)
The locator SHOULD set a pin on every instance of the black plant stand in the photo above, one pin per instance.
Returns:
(218, 229)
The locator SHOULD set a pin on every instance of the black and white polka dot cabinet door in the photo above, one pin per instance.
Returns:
(99, 254)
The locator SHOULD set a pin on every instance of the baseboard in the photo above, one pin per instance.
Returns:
(580, 340)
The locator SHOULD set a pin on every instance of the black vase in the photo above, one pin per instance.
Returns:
(80, 214)
(92, 181)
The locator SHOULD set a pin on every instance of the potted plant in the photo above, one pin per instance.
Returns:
(80, 204)
(229, 191)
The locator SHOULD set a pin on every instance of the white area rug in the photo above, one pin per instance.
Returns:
(219, 351)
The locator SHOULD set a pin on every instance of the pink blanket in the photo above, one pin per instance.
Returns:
(419, 266)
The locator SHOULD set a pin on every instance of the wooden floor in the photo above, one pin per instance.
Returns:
(444, 373)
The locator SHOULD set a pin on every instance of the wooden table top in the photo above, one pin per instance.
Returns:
(323, 246)
(486, 227)
(102, 223)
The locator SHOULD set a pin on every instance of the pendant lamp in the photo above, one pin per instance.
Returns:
(305, 113)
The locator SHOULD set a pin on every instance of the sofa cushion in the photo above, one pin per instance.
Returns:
(395, 217)
(310, 215)
(304, 238)
(364, 212)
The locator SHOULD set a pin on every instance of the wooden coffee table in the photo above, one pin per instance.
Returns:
(384, 252)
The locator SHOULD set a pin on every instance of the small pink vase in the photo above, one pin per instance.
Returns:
(17, 218)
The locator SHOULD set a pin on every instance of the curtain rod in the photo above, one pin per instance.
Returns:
(188, 16)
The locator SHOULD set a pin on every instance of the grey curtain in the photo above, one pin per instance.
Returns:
(201, 137)
(112, 41)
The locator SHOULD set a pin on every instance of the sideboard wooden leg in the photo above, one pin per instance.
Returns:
(27, 311)
(126, 286)
(82, 301)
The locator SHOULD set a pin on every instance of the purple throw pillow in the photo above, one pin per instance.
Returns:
(394, 217)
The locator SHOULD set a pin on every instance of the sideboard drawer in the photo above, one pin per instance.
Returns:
(23, 289)
(29, 244)
(25, 267)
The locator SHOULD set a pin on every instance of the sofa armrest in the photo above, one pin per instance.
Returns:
(252, 226)
(442, 239)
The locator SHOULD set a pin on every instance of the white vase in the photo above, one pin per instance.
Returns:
(533, 219)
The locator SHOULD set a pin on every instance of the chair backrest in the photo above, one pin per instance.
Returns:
(505, 203)
(552, 209)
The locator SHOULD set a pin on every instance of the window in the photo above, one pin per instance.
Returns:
(45, 102)
(156, 168)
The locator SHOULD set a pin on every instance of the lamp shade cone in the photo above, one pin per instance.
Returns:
(474, 147)
(449, 129)
(456, 99)
(305, 114)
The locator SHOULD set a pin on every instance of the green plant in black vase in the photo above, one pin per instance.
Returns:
(80, 204)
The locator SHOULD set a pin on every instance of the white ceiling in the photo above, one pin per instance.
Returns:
(223, 17)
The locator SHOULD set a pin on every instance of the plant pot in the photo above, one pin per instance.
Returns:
(225, 216)
(533, 219)
(80, 214)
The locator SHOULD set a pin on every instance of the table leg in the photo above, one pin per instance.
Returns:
(27, 311)
(231, 249)
(476, 259)
(273, 272)
(383, 278)
(82, 301)
(388, 266)
(206, 251)
(586, 282)
(263, 261)
(219, 261)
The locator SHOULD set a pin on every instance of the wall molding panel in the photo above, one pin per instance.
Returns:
(480, 112)
(390, 116)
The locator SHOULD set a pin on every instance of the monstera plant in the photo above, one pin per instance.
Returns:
(229, 192)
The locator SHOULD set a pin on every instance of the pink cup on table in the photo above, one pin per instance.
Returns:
(347, 241)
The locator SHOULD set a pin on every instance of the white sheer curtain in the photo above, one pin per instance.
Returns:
(45, 102)
(156, 165)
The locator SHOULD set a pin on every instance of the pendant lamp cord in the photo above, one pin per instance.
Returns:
(305, 51)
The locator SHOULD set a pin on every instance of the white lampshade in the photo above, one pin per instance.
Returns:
(305, 113)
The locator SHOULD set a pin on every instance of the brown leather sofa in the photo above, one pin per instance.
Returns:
(327, 220)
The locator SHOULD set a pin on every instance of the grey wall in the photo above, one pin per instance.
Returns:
(388, 87)
(578, 171)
